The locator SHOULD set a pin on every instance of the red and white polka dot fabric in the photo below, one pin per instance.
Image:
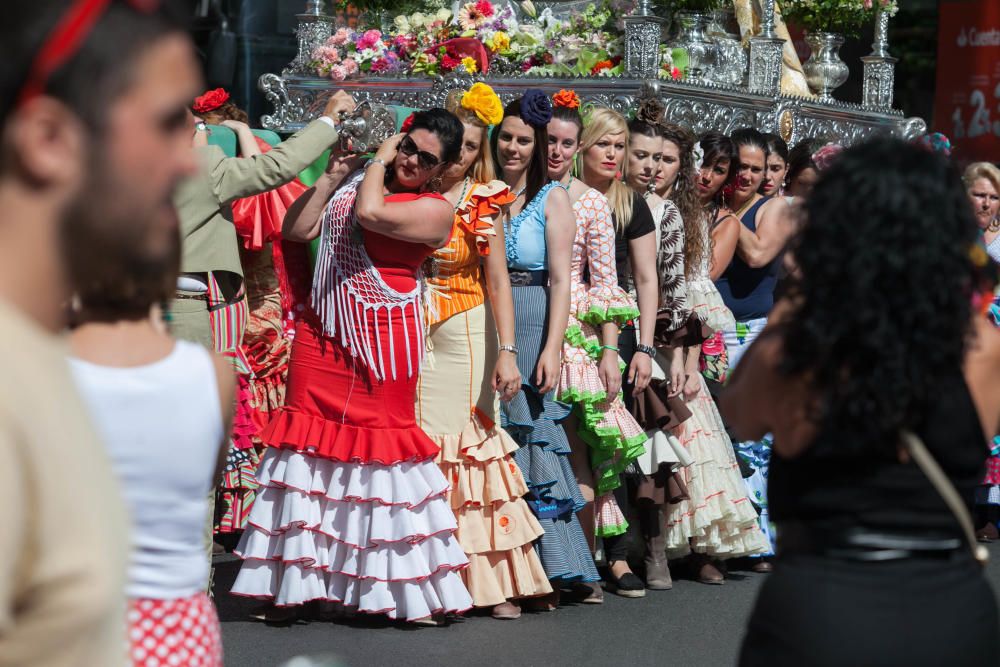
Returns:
(182, 632)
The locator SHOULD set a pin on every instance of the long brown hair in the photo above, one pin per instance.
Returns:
(683, 196)
(538, 167)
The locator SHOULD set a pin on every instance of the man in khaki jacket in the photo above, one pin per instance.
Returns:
(93, 140)
(209, 246)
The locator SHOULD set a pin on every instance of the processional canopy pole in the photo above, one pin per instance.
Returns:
(315, 27)
(879, 68)
(766, 55)
(643, 31)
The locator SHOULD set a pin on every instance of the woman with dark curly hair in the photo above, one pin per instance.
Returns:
(716, 520)
(860, 356)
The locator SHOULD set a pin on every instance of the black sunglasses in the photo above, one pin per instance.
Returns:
(426, 160)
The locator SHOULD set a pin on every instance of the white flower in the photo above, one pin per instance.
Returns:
(402, 24)
(698, 156)
(547, 19)
(529, 8)
(418, 20)
(443, 14)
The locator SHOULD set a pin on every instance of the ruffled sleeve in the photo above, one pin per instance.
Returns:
(605, 301)
(258, 218)
(478, 213)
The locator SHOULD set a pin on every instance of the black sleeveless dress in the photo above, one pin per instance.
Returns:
(819, 608)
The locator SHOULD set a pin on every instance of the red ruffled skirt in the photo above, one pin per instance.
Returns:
(351, 506)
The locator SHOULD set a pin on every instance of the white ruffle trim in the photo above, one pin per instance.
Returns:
(363, 525)
(399, 561)
(407, 483)
(293, 584)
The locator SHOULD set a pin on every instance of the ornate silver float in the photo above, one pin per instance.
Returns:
(299, 96)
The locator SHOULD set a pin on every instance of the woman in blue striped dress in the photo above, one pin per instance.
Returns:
(539, 241)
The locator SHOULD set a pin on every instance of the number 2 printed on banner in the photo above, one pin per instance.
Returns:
(979, 123)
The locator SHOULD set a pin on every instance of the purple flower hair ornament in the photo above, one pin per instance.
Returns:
(536, 108)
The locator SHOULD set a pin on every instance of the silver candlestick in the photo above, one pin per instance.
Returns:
(879, 68)
(642, 42)
(766, 55)
(315, 27)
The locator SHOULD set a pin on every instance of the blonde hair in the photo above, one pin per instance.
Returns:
(978, 170)
(604, 121)
(482, 170)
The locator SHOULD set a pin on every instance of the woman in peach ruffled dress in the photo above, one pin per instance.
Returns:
(468, 364)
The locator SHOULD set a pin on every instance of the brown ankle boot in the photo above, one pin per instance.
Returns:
(657, 571)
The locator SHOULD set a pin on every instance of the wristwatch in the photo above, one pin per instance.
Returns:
(509, 348)
(646, 349)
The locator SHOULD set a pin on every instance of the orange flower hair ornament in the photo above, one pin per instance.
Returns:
(566, 98)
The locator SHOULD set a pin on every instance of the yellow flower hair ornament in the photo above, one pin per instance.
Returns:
(486, 104)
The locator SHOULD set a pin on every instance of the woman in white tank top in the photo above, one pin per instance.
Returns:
(163, 408)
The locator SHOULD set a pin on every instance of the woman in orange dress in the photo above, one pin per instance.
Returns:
(469, 364)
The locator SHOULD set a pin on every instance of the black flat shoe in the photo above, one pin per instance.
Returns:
(628, 586)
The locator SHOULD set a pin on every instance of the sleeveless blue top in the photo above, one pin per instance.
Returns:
(747, 291)
(526, 234)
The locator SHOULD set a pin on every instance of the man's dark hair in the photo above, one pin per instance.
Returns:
(100, 68)
(126, 289)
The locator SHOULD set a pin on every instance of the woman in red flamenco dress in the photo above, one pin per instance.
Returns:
(352, 508)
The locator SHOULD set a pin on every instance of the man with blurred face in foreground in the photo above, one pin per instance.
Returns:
(93, 140)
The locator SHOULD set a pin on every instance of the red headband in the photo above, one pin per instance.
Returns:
(65, 40)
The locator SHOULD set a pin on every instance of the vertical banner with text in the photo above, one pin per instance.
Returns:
(967, 95)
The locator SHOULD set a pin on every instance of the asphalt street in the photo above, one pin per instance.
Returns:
(693, 625)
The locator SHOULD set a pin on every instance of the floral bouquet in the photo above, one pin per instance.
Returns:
(846, 17)
(348, 53)
(584, 44)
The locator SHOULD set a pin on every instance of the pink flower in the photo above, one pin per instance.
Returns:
(826, 155)
(675, 74)
(328, 54)
(369, 39)
(714, 346)
(340, 37)
(350, 66)
(485, 7)
(470, 17)
(380, 65)
(867, 4)
(338, 72)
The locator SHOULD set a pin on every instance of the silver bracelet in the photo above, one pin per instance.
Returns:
(509, 348)
(376, 160)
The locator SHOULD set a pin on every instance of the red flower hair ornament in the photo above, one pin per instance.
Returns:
(210, 101)
(408, 123)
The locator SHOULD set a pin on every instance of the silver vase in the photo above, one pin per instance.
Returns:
(731, 57)
(692, 36)
(825, 71)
